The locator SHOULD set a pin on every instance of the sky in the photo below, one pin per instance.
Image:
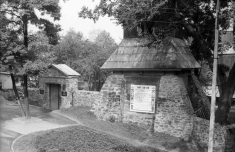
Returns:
(69, 19)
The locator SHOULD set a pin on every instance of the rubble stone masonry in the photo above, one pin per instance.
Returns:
(174, 112)
(174, 109)
(77, 97)
(71, 87)
(111, 104)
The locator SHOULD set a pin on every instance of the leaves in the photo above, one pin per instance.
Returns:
(33, 68)
(24, 11)
(161, 18)
(85, 56)
(15, 14)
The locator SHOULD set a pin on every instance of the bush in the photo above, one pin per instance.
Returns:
(112, 119)
(81, 138)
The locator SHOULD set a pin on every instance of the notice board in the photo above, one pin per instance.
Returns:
(142, 98)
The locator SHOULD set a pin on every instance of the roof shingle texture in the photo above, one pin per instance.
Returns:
(66, 69)
(133, 54)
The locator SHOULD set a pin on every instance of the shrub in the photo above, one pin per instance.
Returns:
(112, 118)
(81, 138)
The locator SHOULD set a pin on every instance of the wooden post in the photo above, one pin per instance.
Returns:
(213, 97)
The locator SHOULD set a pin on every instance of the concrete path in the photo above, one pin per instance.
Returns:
(12, 125)
(6, 138)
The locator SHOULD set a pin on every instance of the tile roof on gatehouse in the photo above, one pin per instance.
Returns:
(134, 54)
(65, 69)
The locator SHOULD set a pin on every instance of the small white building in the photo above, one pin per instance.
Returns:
(5, 81)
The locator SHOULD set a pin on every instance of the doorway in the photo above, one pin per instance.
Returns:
(54, 96)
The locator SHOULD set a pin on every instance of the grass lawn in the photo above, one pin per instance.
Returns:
(98, 136)
(87, 118)
(76, 139)
(136, 134)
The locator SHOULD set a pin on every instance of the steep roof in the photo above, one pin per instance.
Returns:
(65, 69)
(133, 54)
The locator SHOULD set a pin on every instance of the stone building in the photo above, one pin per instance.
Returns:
(57, 86)
(148, 87)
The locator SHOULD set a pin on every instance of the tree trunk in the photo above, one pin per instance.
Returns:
(26, 97)
(224, 103)
(200, 91)
(17, 96)
(26, 42)
(25, 31)
(226, 88)
(89, 83)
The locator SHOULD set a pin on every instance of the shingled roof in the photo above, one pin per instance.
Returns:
(133, 54)
(65, 69)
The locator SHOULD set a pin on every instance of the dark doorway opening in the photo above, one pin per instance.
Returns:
(54, 95)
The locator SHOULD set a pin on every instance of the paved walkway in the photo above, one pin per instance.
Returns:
(12, 125)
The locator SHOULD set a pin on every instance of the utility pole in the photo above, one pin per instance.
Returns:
(213, 97)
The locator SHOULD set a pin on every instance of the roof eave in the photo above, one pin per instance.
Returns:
(145, 69)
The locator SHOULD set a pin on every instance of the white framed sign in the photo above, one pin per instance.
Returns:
(142, 98)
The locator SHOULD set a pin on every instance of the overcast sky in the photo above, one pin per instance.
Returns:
(69, 19)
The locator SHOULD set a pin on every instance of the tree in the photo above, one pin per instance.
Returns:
(40, 48)
(17, 15)
(77, 53)
(93, 34)
(12, 50)
(194, 19)
(107, 47)
(107, 44)
(70, 48)
(85, 56)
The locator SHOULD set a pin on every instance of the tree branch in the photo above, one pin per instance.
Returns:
(232, 126)
(11, 13)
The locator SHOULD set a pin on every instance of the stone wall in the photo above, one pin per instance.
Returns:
(111, 104)
(115, 103)
(77, 97)
(201, 131)
(174, 112)
(174, 109)
(70, 83)
(74, 96)
(71, 87)
(8, 94)
(44, 82)
(141, 118)
(35, 98)
(85, 98)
